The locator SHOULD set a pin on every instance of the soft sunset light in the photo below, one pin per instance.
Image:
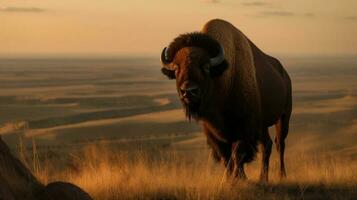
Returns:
(142, 28)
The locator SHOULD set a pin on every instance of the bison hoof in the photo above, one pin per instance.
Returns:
(263, 178)
(241, 177)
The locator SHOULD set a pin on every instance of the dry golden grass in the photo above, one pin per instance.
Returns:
(109, 174)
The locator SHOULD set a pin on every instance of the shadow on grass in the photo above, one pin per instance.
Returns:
(257, 191)
(308, 190)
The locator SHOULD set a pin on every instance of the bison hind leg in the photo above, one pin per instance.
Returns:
(282, 129)
(266, 151)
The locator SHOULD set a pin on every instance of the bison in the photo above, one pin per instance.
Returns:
(234, 90)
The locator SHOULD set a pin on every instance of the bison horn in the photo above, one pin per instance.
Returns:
(167, 69)
(218, 59)
(164, 56)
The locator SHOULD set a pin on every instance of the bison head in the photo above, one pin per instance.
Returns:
(195, 60)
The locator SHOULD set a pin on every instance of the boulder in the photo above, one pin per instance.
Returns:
(18, 183)
(5, 190)
(16, 176)
(63, 191)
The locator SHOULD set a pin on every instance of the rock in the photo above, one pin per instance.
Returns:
(18, 178)
(63, 191)
(18, 183)
(5, 190)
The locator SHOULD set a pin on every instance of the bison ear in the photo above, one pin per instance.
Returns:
(218, 70)
(169, 73)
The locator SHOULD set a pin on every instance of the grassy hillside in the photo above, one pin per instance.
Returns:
(107, 173)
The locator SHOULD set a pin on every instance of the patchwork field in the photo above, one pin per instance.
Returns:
(116, 128)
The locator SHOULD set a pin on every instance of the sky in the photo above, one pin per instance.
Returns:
(144, 27)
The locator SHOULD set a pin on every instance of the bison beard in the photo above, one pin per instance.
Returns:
(191, 110)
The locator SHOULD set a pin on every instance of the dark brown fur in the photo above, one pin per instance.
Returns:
(240, 98)
(195, 39)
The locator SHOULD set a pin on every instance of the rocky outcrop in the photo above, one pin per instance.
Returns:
(62, 190)
(18, 183)
(5, 191)
(16, 176)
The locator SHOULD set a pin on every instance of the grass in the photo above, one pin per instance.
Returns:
(108, 174)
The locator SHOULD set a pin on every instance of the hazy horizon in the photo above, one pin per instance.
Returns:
(130, 28)
(153, 56)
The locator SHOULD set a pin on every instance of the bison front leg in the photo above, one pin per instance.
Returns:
(220, 151)
(225, 153)
(243, 152)
(238, 156)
